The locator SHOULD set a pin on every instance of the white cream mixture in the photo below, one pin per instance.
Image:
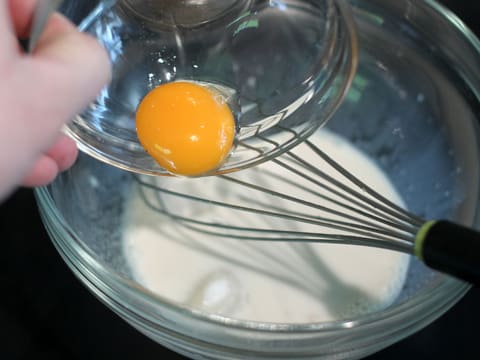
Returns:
(272, 282)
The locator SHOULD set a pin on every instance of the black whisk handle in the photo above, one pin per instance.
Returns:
(450, 248)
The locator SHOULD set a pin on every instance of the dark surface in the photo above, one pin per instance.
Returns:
(45, 313)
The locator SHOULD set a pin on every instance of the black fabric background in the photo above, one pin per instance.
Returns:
(45, 313)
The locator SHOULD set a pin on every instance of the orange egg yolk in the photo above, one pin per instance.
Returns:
(186, 128)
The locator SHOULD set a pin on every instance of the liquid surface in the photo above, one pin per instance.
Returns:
(186, 127)
(269, 282)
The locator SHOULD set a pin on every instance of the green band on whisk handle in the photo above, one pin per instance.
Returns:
(450, 248)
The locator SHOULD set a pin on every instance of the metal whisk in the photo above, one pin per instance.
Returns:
(306, 196)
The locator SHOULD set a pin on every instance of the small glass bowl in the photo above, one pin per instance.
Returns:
(286, 65)
(412, 107)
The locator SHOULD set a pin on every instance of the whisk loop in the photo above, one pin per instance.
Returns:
(312, 198)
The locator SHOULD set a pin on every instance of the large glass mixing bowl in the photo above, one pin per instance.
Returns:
(278, 64)
(413, 107)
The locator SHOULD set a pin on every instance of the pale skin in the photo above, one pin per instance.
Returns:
(40, 92)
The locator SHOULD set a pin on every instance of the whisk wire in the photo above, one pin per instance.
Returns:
(363, 235)
(268, 204)
(349, 203)
(377, 203)
(342, 208)
(381, 203)
(356, 225)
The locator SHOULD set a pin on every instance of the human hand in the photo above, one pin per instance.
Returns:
(41, 91)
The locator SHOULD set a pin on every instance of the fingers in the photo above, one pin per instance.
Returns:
(42, 91)
(8, 38)
(43, 172)
(82, 66)
(21, 13)
(59, 157)
(63, 75)
(56, 26)
(15, 22)
(64, 152)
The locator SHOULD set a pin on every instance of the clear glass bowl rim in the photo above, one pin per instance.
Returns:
(431, 294)
(346, 74)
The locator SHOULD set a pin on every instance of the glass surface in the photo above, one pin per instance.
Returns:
(413, 106)
(282, 75)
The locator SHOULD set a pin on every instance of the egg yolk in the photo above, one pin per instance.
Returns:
(185, 127)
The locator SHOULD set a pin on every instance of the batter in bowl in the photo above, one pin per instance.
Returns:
(262, 281)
